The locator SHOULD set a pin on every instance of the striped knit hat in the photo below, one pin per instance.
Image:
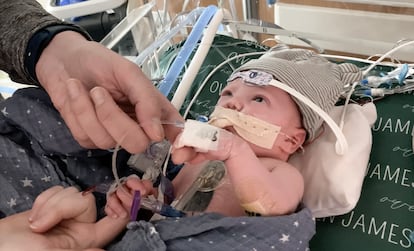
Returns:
(310, 74)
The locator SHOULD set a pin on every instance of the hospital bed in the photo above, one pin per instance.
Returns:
(378, 215)
(378, 212)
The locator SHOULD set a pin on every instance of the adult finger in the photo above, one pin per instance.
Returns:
(72, 123)
(42, 199)
(161, 113)
(107, 229)
(65, 204)
(61, 100)
(151, 107)
(83, 110)
(118, 124)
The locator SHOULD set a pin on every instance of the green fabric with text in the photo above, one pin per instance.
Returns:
(383, 218)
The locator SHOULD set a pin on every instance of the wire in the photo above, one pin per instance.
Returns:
(386, 55)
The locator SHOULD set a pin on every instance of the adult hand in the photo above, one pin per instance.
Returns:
(104, 98)
(61, 219)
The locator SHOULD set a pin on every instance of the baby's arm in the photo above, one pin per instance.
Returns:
(264, 186)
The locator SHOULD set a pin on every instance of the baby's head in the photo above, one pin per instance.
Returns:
(303, 70)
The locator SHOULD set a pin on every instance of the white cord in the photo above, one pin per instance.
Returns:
(386, 55)
(341, 146)
(197, 60)
(367, 61)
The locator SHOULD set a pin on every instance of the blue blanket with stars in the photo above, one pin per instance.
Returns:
(37, 151)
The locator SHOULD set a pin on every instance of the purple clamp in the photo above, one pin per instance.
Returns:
(136, 204)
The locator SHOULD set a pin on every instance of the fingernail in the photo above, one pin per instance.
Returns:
(159, 130)
(33, 226)
(97, 96)
(73, 89)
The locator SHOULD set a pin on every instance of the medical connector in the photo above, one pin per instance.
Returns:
(374, 92)
(375, 81)
(154, 206)
(153, 157)
(161, 208)
(399, 74)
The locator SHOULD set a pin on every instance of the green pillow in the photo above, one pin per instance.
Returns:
(384, 216)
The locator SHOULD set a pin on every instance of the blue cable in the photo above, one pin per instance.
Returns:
(167, 83)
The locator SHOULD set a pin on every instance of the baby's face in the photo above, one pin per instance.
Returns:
(267, 103)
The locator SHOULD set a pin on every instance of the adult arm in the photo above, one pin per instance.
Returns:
(104, 98)
(20, 20)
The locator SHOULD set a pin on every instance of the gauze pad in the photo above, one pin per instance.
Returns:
(200, 135)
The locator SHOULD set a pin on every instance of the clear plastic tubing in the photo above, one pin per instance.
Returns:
(185, 52)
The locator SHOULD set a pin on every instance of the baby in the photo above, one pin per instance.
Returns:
(253, 130)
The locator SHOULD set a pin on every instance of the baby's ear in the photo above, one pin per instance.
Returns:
(295, 140)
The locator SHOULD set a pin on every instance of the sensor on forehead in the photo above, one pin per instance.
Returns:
(259, 78)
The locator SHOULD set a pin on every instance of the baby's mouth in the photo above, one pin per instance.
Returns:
(230, 129)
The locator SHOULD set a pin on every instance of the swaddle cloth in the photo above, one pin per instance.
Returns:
(212, 231)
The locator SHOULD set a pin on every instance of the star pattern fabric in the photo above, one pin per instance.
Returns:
(37, 151)
(215, 232)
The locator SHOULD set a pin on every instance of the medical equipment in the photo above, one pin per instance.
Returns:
(189, 18)
(190, 43)
(154, 206)
(257, 26)
(210, 177)
(123, 27)
(79, 8)
(197, 60)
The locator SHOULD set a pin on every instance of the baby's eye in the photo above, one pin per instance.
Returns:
(258, 99)
(226, 93)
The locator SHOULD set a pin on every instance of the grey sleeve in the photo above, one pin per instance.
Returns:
(19, 20)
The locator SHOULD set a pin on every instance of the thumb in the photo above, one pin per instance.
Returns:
(183, 154)
(107, 229)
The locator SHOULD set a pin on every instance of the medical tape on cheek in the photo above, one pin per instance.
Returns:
(254, 130)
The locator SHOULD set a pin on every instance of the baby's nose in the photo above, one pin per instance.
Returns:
(234, 104)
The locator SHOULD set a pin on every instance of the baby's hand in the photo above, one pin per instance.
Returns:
(119, 202)
(200, 141)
